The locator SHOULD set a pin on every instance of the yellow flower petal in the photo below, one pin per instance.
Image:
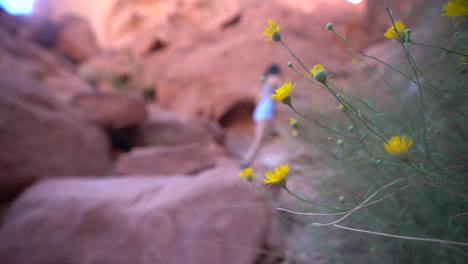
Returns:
(397, 145)
(317, 68)
(292, 121)
(276, 176)
(283, 92)
(396, 31)
(246, 173)
(456, 8)
(271, 29)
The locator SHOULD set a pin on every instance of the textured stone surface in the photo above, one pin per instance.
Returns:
(76, 39)
(26, 45)
(111, 110)
(165, 128)
(180, 159)
(213, 218)
(214, 51)
(40, 137)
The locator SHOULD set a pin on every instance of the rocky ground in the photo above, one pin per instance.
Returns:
(122, 124)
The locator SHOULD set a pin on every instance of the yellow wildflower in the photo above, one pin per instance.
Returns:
(273, 30)
(283, 92)
(247, 172)
(455, 9)
(464, 59)
(277, 176)
(316, 69)
(341, 107)
(294, 133)
(319, 73)
(292, 121)
(397, 145)
(396, 31)
(356, 60)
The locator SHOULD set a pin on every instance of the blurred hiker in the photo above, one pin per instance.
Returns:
(264, 113)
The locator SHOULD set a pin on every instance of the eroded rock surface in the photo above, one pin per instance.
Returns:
(40, 137)
(213, 218)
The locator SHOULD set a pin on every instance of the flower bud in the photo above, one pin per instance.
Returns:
(329, 26)
(341, 199)
(407, 34)
(340, 142)
(276, 36)
(287, 101)
(321, 77)
(290, 64)
(329, 138)
(319, 73)
(350, 127)
(293, 122)
(341, 107)
(294, 133)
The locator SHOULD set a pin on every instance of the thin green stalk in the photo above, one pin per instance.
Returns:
(345, 104)
(361, 53)
(311, 202)
(393, 91)
(438, 47)
(416, 75)
(427, 173)
(404, 237)
(318, 124)
(370, 56)
(376, 111)
(294, 55)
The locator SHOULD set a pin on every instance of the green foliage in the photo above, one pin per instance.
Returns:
(404, 208)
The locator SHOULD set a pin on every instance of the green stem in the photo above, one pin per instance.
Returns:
(416, 75)
(438, 47)
(370, 56)
(310, 202)
(318, 124)
(345, 104)
(294, 55)
(427, 173)
(361, 53)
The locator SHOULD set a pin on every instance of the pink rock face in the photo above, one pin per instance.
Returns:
(40, 137)
(111, 110)
(205, 57)
(166, 128)
(180, 159)
(26, 46)
(76, 39)
(213, 218)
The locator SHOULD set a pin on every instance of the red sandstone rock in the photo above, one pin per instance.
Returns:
(213, 218)
(165, 128)
(180, 159)
(215, 52)
(19, 51)
(40, 137)
(76, 39)
(111, 110)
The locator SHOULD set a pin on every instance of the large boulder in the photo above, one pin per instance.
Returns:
(26, 46)
(111, 110)
(76, 39)
(40, 137)
(213, 218)
(165, 128)
(179, 159)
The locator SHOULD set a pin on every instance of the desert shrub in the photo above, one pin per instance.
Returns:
(400, 191)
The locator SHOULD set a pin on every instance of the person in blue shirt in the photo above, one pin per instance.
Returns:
(264, 113)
